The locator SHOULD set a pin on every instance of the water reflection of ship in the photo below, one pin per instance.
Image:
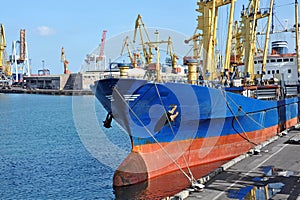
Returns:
(162, 186)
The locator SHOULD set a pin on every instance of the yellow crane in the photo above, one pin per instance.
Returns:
(197, 44)
(207, 25)
(4, 62)
(172, 54)
(247, 34)
(133, 59)
(140, 26)
(297, 35)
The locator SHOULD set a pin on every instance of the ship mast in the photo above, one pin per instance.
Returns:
(249, 17)
(267, 39)
(229, 37)
(297, 34)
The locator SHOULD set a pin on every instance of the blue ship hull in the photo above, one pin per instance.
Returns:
(174, 126)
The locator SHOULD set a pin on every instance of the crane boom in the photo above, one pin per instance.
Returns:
(139, 25)
(207, 25)
(2, 46)
(5, 66)
(132, 60)
(102, 45)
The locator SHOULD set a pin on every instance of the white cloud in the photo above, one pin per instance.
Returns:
(45, 30)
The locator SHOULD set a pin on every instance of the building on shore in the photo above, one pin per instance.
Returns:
(74, 81)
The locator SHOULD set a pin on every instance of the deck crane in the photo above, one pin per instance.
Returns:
(248, 25)
(173, 56)
(197, 45)
(64, 61)
(155, 45)
(207, 25)
(139, 25)
(133, 59)
(297, 35)
(102, 45)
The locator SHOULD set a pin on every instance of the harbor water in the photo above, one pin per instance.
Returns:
(55, 147)
(42, 154)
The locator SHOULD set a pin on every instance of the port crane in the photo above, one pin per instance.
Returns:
(245, 35)
(155, 45)
(2, 47)
(133, 59)
(197, 44)
(207, 27)
(140, 26)
(5, 68)
(101, 55)
(64, 61)
(19, 58)
(172, 54)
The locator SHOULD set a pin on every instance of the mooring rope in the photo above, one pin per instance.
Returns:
(170, 124)
(149, 132)
(251, 118)
(236, 118)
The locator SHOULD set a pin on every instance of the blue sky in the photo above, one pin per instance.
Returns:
(77, 25)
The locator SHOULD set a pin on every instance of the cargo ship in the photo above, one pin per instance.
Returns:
(174, 126)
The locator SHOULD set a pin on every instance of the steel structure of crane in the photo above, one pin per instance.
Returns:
(5, 69)
(2, 47)
(19, 59)
(140, 26)
(64, 61)
(93, 60)
(101, 55)
(172, 54)
(148, 55)
(133, 59)
(207, 27)
(244, 35)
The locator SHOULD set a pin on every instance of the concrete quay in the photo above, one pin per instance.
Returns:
(46, 91)
(273, 173)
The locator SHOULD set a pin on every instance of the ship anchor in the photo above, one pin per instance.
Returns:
(108, 120)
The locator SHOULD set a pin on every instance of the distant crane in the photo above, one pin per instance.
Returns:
(4, 62)
(5, 70)
(64, 61)
(2, 46)
(172, 54)
(19, 58)
(102, 45)
(133, 59)
(139, 25)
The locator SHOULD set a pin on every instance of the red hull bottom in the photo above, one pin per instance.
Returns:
(149, 161)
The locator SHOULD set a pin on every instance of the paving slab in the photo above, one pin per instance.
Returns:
(276, 169)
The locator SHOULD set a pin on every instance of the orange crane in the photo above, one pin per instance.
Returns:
(64, 60)
(102, 45)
